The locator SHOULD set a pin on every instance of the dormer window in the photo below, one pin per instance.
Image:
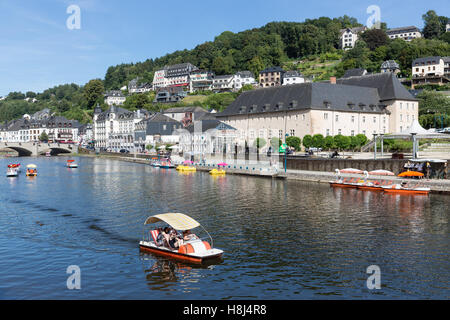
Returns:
(293, 104)
(242, 109)
(327, 104)
(362, 105)
(351, 105)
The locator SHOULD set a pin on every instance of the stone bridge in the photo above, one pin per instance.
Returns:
(39, 148)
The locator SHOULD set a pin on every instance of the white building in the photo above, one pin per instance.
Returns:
(405, 33)
(114, 97)
(430, 70)
(114, 129)
(349, 37)
(200, 80)
(233, 82)
(292, 77)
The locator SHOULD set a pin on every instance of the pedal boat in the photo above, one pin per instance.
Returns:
(217, 172)
(399, 189)
(71, 164)
(11, 172)
(31, 170)
(183, 168)
(195, 251)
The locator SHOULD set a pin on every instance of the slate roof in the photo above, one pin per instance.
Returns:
(120, 112)
(208, 125)
(304, 96)
(273, 69)
(402, 30)
(387, 84)
(184, 110)
(354, 73)
(390, 64)
(426, 59)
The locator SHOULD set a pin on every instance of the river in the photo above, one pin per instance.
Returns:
(282, 239)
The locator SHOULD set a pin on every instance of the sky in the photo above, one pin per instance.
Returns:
(39, 51)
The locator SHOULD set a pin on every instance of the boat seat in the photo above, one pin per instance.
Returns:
(154, 234)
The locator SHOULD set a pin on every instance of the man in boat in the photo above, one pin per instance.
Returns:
(187, 235)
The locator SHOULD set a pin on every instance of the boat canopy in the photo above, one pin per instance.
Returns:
(178, 221)
(429, 160)
(33, 166)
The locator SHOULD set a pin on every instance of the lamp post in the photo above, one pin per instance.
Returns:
(414, 145)
(285, 152)
(375, 146)
(382, 144)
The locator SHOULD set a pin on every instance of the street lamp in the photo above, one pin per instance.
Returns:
(375, 146)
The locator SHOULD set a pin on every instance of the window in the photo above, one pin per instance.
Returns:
(353, 133)
(374, 119)
(339, 131)
(292, 133)
(353, 118)
(328, 132)
(364, 119)
(325, 116)
(280, 134)
(337, 118)
(401, 118)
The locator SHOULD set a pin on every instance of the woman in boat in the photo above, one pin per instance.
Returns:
(166, 236)
(174, 241)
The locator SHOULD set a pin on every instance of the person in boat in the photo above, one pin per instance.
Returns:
(174, 241)
(187, 235)
(166, 236)
(160, 238)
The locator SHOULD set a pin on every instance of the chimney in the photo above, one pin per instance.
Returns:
(333, 80)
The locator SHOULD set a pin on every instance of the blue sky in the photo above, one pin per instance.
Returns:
(38, 51)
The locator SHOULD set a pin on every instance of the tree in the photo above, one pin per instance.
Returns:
(434, 102)
(43, 136)
(342, 142)
(329, 142)
(362, 139)
(307, 141)
(375, 38)
(432, 25)
(275, 143)
(93, 92)
(318, 141)
(294, 142)
(259, 143)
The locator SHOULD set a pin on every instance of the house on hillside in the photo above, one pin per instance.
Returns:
(349, 36)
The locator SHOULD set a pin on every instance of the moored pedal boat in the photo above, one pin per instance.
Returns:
(31, 170)
(403, 189)
(12, 172)
(195, 250)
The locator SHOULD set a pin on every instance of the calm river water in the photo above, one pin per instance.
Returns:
(282, 239)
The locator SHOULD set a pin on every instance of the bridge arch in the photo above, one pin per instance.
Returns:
(55, 151)
(23, 152)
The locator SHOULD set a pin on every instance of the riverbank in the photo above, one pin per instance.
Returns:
(436, 186)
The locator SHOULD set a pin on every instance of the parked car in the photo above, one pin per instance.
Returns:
(124, 151)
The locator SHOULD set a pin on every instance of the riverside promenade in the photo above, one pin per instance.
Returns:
(264, 170)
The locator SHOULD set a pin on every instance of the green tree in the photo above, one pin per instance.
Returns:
(307, 141)
(329, 142)
(362, 139)
(43, 136)
(434, 102)
(432, 25)
(318, 141)
(342, 142)
(294, 142)
(93, 92)
(375, 38)
(275, 143)
(259, 143)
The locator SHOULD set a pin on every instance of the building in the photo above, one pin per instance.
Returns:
(114, 129)
(185, 115)
(233, 82)
(223, 83)
(157, 129)
(114, 97)
(85, 135)
(160, 79)
(349, 36)
(271, 77)
(169, 95)
(292, 77)
(28, 129)
(447, 27)
(370, 104)
(405, 33)
(200, 80)
(207, 136)
(390, 66)
(430, 70)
